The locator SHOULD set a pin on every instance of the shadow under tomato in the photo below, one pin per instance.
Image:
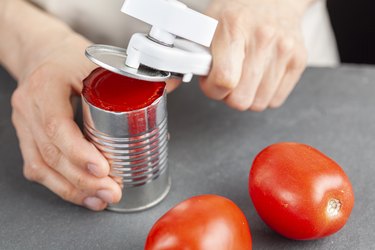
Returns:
(265, 238)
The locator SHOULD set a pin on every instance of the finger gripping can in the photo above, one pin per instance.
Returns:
(126, 119)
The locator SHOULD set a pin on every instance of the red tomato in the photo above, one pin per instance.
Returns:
(201, 222)
(300, 192)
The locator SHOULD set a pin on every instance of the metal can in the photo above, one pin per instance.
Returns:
(135, 143)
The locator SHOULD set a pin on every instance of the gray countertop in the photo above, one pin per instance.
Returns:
(210, 151)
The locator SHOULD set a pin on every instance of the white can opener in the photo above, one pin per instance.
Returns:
(177, 44)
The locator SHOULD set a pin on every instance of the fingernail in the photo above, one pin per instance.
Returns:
(105, 195)
(93, 203)
(93, 169)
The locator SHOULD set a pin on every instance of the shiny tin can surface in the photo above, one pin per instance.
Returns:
(136, 145)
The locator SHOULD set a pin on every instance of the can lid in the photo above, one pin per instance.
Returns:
(113, 59)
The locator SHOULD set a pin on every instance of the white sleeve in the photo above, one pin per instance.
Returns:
(319, 38)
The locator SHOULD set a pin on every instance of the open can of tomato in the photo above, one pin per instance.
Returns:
(131, 133)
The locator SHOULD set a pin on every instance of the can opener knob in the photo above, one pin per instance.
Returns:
(177, 44)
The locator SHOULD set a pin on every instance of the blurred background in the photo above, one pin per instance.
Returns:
(353, 23)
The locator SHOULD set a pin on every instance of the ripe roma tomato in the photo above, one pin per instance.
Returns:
(300, 192)
(201, 222)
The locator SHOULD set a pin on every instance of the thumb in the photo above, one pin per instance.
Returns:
(172, 84)
(228, 52)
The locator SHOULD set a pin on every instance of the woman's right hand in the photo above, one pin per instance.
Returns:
(55, 152)
(258, 52)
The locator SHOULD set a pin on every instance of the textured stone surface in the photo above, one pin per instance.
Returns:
(210, 151)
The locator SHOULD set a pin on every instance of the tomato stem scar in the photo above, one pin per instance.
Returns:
(334, 206)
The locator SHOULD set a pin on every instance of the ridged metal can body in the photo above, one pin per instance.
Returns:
(135, 144)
